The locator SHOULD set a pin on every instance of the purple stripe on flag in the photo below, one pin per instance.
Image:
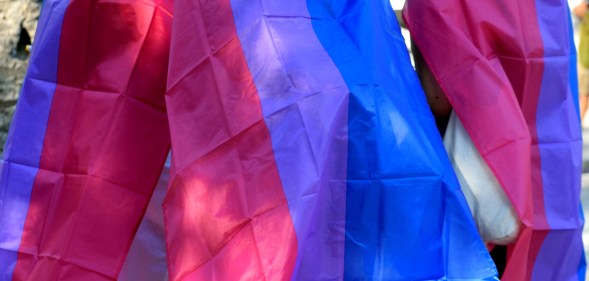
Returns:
(559, 256)
(560, 145)
(305, 105)
(559, 139)
(25, 140)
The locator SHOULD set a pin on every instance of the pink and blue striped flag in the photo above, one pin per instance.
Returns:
(508, 69)
(303, 148)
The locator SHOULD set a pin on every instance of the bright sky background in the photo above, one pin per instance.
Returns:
(397, 4)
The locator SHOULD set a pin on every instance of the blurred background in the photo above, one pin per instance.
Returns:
(18, 21)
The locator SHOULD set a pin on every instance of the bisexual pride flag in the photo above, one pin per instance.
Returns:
(302, 146)
(88, 140)
(508, 69)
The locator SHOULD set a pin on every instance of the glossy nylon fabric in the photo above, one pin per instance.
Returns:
(305, 105)
(23, 148)
(406, 217)
(106, 135)
(289, 72)
(510, 84)
(295, 81)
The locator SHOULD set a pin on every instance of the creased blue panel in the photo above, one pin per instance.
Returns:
(406, 218)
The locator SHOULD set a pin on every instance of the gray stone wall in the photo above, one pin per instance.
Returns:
(18, 21)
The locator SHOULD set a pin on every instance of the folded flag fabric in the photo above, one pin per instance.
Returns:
(146, 259)
(302, 146)
(508, 69)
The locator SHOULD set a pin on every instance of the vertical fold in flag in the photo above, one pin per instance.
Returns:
(89, 139)
(146, 260)
(303, 149)
(507, 67)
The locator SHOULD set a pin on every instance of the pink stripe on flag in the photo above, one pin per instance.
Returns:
(226, 213)
(105, 144)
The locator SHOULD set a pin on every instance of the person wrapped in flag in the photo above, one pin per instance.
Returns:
(509, 70)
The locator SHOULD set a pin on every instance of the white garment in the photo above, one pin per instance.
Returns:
(494, 215)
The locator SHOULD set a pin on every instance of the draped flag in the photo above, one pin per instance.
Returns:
(88, 141)
(304, 149)
(302, 146)
(508, 69)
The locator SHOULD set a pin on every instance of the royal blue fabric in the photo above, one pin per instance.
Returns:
(406, 218)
